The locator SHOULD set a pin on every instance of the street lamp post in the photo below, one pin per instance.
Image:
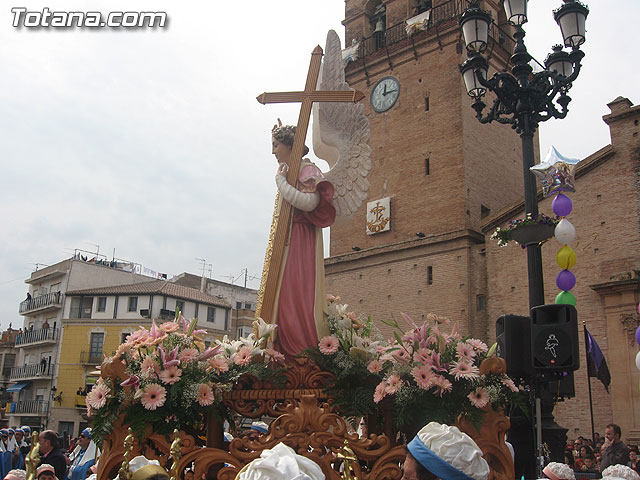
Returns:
(523, 99)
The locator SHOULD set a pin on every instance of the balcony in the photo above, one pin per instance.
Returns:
(30, 407)
(42, 303)
(91, 358)
(441, 17)
(41, 335)
(32, 371)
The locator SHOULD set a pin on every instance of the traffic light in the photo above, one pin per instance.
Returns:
(554, 338)
(513, 336)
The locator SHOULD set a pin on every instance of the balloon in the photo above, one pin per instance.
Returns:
(562, 205)
(566, 257)
(566, 280)
(565, 232)
(638, 360)
(555, 173)
(566, 298)
(638, 335)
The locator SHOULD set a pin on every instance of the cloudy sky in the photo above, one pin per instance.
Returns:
(151, 142)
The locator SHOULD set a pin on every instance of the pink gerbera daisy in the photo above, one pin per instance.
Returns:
(153, 396)
(328, 345)
(442, 384)
(97, 397)
(243, 357)
(465, 352)
(169, 327)
(188, 354)
(422, 355)
(401, 356)
(170, 375)
(393, 384)
(149, 366)
(479, 398)
(205, 395)
(422, 375)
(510, 383)
(275, 355)
(374, 366)
(380, 392)
(478, 345)
(218, 364)
(465, 370)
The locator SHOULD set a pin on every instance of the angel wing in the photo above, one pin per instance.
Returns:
(341, 134)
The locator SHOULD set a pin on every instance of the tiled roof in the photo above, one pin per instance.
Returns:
(158, 287)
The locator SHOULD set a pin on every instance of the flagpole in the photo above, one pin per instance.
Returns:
(586, 351)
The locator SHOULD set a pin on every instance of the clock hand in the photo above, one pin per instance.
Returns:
(385, 93)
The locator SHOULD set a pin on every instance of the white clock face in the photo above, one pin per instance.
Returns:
(384, 94)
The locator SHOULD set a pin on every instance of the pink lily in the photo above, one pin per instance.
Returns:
(132, 381)
(209, 353)
(434, 362)
(198, 332)
(185, 324)
(155, 331)
(169, 359)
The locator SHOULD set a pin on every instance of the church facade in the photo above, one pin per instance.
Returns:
(442, 182)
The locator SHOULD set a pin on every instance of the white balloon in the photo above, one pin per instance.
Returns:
(638, 360)
(565, 232)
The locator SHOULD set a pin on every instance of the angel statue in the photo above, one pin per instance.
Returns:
(341, 133)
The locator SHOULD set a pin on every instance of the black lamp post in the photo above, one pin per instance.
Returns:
(523, 99)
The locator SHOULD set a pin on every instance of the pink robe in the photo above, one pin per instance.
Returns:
(301, 301)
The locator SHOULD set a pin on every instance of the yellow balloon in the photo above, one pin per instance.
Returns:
(566, 257)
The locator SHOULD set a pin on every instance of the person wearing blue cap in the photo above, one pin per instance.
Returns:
(6, 455)
(27, 434)
(84, 455)
(441, 451)
(21, 449)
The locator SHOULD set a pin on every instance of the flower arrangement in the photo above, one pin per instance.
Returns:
(425, 373)
(168, 378)
(504, 235)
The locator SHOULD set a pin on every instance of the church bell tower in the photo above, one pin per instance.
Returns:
(415, 245)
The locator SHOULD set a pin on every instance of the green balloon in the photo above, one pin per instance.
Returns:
(566, 298)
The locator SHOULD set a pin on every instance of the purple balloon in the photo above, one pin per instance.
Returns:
(562, 205)
(566, 280)
(638, 335)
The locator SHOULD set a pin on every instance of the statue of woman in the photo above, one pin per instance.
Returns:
(301, 300)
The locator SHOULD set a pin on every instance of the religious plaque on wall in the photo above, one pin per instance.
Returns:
(379, 216)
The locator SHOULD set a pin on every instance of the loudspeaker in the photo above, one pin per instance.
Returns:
(513, 336)
(554, 338)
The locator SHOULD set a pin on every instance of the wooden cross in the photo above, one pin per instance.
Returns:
(281, 223)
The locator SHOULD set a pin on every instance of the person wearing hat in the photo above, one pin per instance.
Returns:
(27, 434)
(142, 468)
(619, 472)
(50, 453)
(16, 474)
(21, 450)
(281, 463)
(84, 455)
(257, 429)
(559, 471)
(46, 472)
(6, 455)
(441, 451)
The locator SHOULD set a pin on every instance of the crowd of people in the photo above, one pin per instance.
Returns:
(595, 455)
(437, 451)
(78, 462)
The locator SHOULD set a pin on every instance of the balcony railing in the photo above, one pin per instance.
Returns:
(33, 407)
(49, 300)
(33, 370)
(439, 14)
(39, 335)
(91, 358)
